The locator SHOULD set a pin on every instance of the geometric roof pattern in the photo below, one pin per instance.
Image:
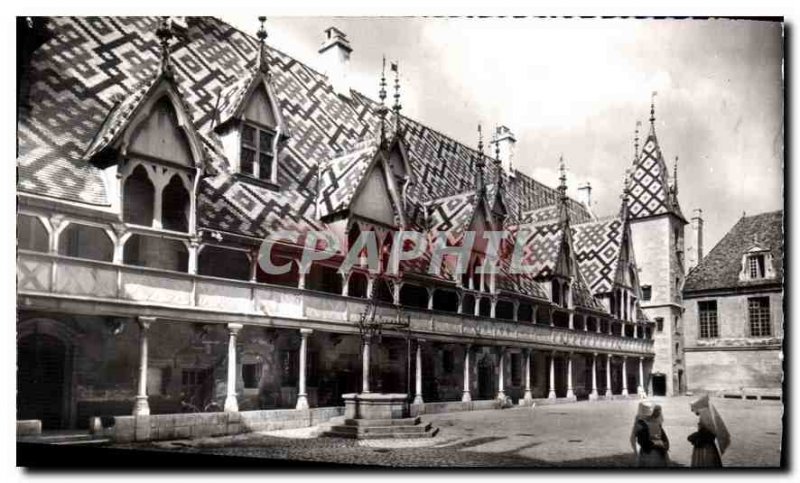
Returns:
(597, 248)
(649, 186)
(720, 268)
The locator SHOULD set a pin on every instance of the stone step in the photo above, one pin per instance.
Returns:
(337, 434)
(382, 429)
(383, 422)
(359, 431)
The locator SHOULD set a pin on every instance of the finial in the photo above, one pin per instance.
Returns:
(262, 63)
(675, 175)
(480, 144)
(164, 34)
(496, 145)
(397, 106)
(382, 110)
(653, 109)
(562, 168)
(636, 141)
(479, 164)
(626, 184)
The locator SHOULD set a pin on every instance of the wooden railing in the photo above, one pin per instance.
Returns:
(43, 275)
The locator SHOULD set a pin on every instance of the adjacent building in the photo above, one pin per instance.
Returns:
(734, 312)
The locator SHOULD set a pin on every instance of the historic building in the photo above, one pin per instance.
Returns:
(657, 226)
(734, 312)
(154, 157)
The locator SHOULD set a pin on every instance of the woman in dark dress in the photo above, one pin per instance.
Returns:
(711, 432)
(649, 434)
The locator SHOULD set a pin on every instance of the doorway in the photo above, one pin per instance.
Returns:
(485, 379)
(659, 385)
(41, 380)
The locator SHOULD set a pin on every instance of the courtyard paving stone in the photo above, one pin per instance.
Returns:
(581, 434)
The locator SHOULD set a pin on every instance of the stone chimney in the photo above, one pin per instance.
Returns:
(585, 194)
(335, 55)
(695, 251)
(506, 142)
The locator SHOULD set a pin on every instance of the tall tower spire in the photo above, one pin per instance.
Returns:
(262, 63)
(653, 112)
(479, 187)
(382, 110)
(165, 34)
(397, 106)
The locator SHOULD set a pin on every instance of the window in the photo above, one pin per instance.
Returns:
(83, 241)
(157, 379)
(755, 266)
(175, 206)
(257, 152)
(708, 319)
(31, 234)
(154, 252)
(251, 375)
(647, 292)
(758, 308)
(139, 196)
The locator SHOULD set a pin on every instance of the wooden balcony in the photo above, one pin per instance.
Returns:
(68, 285)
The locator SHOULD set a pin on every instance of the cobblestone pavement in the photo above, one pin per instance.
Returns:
(583, 434)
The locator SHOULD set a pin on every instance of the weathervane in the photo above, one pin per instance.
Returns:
(262, 63)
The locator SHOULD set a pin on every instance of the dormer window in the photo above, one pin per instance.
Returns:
(257, 151)
(755, 266)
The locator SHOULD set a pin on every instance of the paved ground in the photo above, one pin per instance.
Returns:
(572, 435)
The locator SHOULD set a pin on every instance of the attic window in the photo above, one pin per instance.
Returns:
(755, 266)
(257, 151)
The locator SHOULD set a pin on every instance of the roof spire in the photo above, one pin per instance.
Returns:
(675, 177)
(382, 110)
(636, 141)
(480, 163)
(497, 163)
(395, 67)
(165, 34)
(262, 63)
(626, 188)
(563, 210)
(653, 112)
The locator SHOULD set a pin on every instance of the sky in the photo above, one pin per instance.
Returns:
(576, 87)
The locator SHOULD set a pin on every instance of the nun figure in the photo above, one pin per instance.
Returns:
(649, 434)
(711, 438)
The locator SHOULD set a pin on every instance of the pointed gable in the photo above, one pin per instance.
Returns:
(373, 200)
(649, 192)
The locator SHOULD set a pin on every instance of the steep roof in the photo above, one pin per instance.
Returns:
(720, 268)
(650, 193)
(597, 249)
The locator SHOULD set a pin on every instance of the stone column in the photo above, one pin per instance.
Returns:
(552, 393)
(500, 383)
(624, 375)
(528, 393)
(593, 395)
(570, 392)
(431, 292)
(140, 406)
(302, 400)
(571, 320)
(477, 309)
(640, 388)
(418, 373)
(493, 307)
(608, 376)
(365, 366)
(466, 395)
(231, 404)
(610, 327)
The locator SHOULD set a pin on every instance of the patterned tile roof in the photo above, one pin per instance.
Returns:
(541, 244)
(649, 189)
(597, 249)
(720, 268)
(340, 177)
(452, 215)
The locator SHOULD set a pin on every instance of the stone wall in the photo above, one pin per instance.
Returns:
(734, 360)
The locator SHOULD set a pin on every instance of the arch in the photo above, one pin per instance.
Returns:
(288, 279)
(525, 312)
(224, 263)
(156, 252)
(357, 285)
(32, 234)
(324, 278)
(445, 300)
(84, 241)
(555, 291)
(414, 296)
(383, 290)
(468, 304)
(175, 202)
(504, 310)
(138, 198)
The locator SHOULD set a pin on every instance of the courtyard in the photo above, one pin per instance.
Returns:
(583, 434)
